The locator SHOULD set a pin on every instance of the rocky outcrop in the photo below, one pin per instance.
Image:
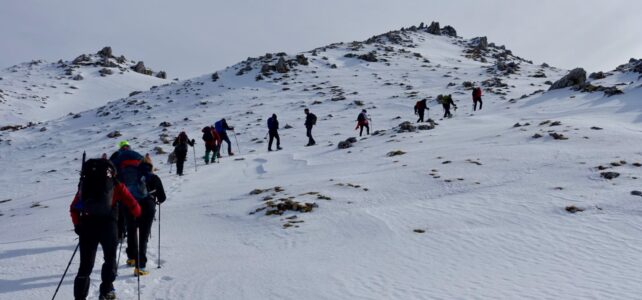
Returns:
(576, 77)
(434, 28)
(480, 43)
(449, 31)
(281, 66)
(302, 60)
(161, 74)
(215, 76)
(106, 52)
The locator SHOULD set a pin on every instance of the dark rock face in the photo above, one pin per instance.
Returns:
(597, 75)
(106, 52)
(104, 72)
(302, 60)
(574, 78)
(434, 28)
(215, 76)
(266, 69)
(78, 77)
(449, 31)
(140, 68)
(370, 57)
(162, 74)
(82, 59)
(480, 43)
(281, 66)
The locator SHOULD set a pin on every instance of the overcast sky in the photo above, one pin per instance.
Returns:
(189, 38)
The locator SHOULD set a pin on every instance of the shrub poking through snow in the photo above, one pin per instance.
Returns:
(395, 153)
(573, 209)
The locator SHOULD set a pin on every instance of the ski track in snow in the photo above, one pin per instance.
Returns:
(492, 209)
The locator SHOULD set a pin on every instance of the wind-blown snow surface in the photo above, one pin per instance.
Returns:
(492, 210)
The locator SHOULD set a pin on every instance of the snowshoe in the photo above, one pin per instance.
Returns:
(140, 272)
(131, 262)
(111, 295)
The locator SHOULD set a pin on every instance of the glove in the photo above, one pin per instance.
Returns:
(160, 201)
(77, 229)
(193, 141)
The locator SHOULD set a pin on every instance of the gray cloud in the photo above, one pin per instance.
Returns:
(189, 38)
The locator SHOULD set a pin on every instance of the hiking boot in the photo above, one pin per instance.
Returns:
(269, 150)
(231, 154)
(278, 148)
(111, 295)
(140, 272)
(131, 262)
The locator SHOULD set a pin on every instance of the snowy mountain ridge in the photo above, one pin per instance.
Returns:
(38, 90)
(530, 197)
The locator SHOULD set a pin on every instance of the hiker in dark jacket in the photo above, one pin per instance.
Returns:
(222, 128)
(180, 149)
(155, 194)
(362, 121)
(212, 143)
(94, 214)
(273, 132)
(446, 102)
(420, 109)
(477, 97)
(310, 121)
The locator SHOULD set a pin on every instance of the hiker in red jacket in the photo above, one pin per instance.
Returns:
(212, 143)
(420, 108)
(477, 97)
(94, 213)
(363, 121)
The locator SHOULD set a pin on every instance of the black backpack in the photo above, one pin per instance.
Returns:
(136, 182)
(313, 119)
(207, 134)
(97, 187)
(361, 117)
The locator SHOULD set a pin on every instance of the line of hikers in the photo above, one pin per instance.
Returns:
(446, 102)
(117, 197)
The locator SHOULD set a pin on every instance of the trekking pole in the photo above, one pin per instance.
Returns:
(138, 258)
(237, 142)
(194, 148)
(120, 249)
(159, 221)
(66, 269)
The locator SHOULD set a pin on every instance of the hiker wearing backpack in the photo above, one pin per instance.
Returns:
(151, 189)
(477, 97)
(94, 214)
(446, 102)
(181, 143)
(420, 109)
(212, 143)
(126, 162)
(362, 121)
(222, 128)
(310, 121)
(273, 132)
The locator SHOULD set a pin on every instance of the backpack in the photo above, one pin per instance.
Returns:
(135, 181)
(361, 117)
(97, 187)
(181, 144)
(207, 134)
(270, 123)
(313, 119)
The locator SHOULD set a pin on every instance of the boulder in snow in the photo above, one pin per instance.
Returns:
(574, 78)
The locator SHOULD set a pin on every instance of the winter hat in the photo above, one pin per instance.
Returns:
(123, 144)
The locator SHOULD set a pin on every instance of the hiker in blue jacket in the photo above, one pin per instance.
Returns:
(222, 128)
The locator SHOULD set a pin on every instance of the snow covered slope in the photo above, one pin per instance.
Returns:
(39, 91)
(472, 209)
